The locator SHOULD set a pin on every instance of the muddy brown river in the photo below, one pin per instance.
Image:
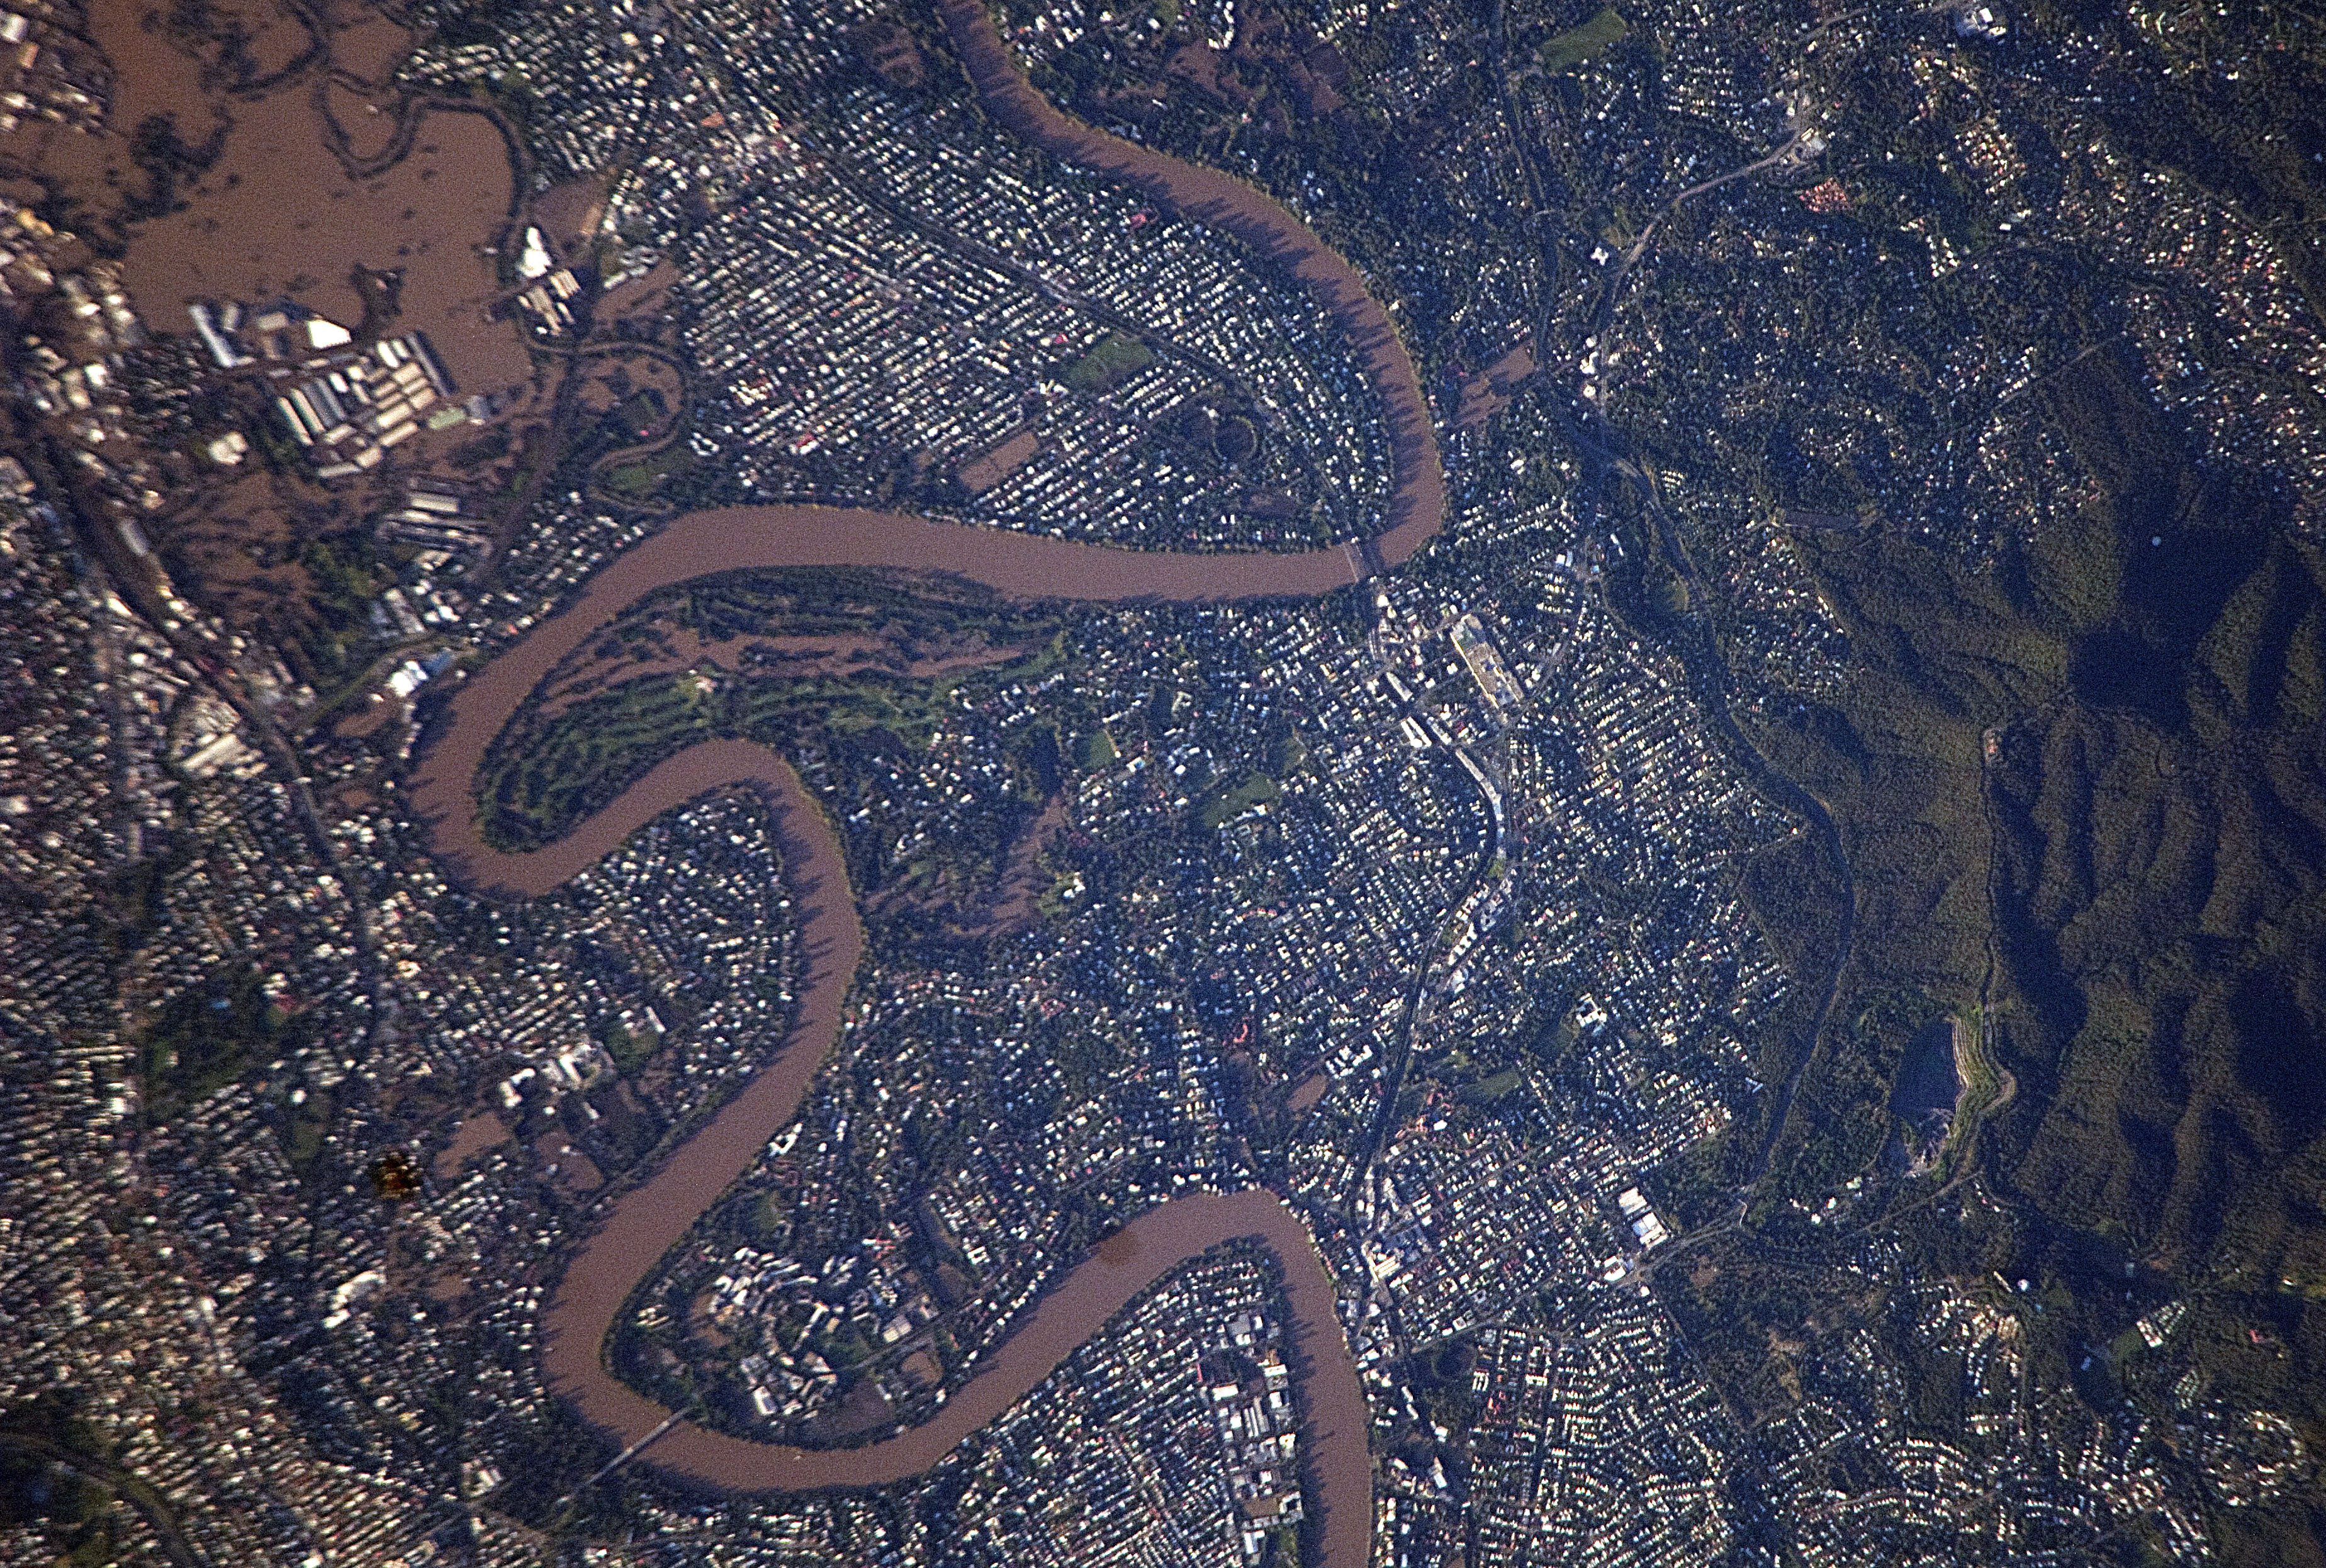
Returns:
(640, 1227)
(1211, 196)
(636, 1231)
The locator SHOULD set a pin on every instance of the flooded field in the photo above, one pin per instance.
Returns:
(276, 215)
(266, 208)
(1490, 391)
(480, 1132)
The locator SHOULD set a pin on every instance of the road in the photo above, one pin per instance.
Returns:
(1609, 452)
(1399, 1059)
(1789, 151)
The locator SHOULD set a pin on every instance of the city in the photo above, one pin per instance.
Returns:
(1462, 892)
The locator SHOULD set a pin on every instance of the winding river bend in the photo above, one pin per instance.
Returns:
(636, 1231)
(645, 1223)
(1417, 507)
(640, 1227)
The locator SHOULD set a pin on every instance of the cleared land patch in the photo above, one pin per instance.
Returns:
(1117, 358)
(998, 462)
(1577, 44)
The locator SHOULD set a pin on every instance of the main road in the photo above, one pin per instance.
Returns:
(636, 1230)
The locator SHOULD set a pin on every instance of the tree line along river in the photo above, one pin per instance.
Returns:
(636, 1229)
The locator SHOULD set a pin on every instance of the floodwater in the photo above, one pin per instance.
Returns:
(276, 215)
(473, 1137)
(1210, 196)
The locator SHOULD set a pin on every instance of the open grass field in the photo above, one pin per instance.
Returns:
(1577, 44)
(1115, 360)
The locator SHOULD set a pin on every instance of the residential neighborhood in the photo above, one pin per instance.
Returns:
(1429, 920)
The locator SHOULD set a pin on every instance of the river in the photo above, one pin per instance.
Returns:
(634, 1230)
(1022, 565)
(1417, 507)
(638, 1228)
